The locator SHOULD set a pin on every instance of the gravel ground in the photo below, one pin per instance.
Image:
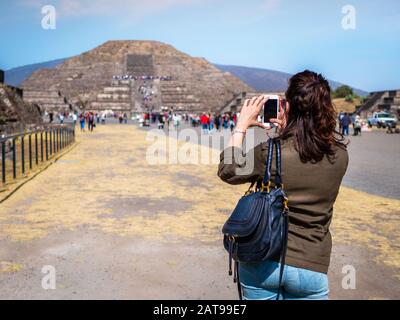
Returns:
(93, 224)
(374, 165)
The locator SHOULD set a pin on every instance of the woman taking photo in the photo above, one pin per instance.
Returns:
(314, 161)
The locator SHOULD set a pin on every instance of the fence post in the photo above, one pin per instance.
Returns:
(61, 139)
(3, 161)
(53, 132)
(51, 144)
(41, 146)
(14, 159)
(23, 155)
(47, 145)
(56, 133)
(36, 149)
(30, 152)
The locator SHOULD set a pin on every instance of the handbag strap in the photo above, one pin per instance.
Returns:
(278, 173)
(268, 165)
(284, 236)
(267, 176)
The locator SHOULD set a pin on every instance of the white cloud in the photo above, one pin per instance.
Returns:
(74, 8)
(122, 9)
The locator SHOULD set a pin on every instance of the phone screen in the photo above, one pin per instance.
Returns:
(270, 110)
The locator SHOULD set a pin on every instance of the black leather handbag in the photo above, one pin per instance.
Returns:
(258, 227)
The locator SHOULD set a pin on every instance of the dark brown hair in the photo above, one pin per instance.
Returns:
(312, 117)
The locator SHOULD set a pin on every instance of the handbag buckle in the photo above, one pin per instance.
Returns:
(266, 187)
(286, 203)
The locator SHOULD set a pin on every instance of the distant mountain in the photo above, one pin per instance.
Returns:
(265, 80)
(16, 76)
(262, 80)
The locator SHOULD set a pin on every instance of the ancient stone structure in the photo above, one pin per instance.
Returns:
(48, 100)
(381, 101)
(15, 114)
(194, 84)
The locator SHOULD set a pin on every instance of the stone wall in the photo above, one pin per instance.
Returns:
(15, 114)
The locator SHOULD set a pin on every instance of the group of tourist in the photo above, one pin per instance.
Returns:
(165, 117)
(210, 122)
(123, 118)
(147, 92)
(144, 78)
(345, 120)
(90, 119)
(207, 121)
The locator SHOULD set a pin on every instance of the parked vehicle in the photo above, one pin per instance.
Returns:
(382, 120)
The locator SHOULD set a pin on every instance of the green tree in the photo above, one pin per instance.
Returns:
(343, 92)
(349, 98)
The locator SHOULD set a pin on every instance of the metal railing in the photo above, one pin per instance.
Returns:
(24, 152)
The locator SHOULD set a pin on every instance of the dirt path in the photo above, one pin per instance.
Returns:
(116, 227)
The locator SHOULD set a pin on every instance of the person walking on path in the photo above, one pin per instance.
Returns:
(346, 122)
(82, 122)
(204, 123)
(210, 122)
(341, 115)
(74, 118)
(232, 124)
(357, 125)
(177, 121)
(226, 121)
(217, 122)
(161, 121)
(314, 161)
(91, 121)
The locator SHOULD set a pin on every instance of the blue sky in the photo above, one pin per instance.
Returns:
(284, 35)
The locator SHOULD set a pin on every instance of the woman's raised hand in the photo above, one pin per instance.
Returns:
(250, 112)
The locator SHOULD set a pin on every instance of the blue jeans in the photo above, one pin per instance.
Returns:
(260, 282)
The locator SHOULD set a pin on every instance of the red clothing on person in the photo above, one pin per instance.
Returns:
(204, 119)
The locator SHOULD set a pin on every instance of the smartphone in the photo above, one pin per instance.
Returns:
(271, 109)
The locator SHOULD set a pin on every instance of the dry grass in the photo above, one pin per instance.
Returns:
(110, 164)
(342, 105)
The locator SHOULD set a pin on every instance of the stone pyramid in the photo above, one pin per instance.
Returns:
(194, 84)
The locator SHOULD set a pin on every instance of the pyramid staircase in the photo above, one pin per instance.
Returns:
(116, 97)
(178, 95)
(48, 100)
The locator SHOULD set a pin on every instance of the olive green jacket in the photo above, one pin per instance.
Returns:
(312, 189)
